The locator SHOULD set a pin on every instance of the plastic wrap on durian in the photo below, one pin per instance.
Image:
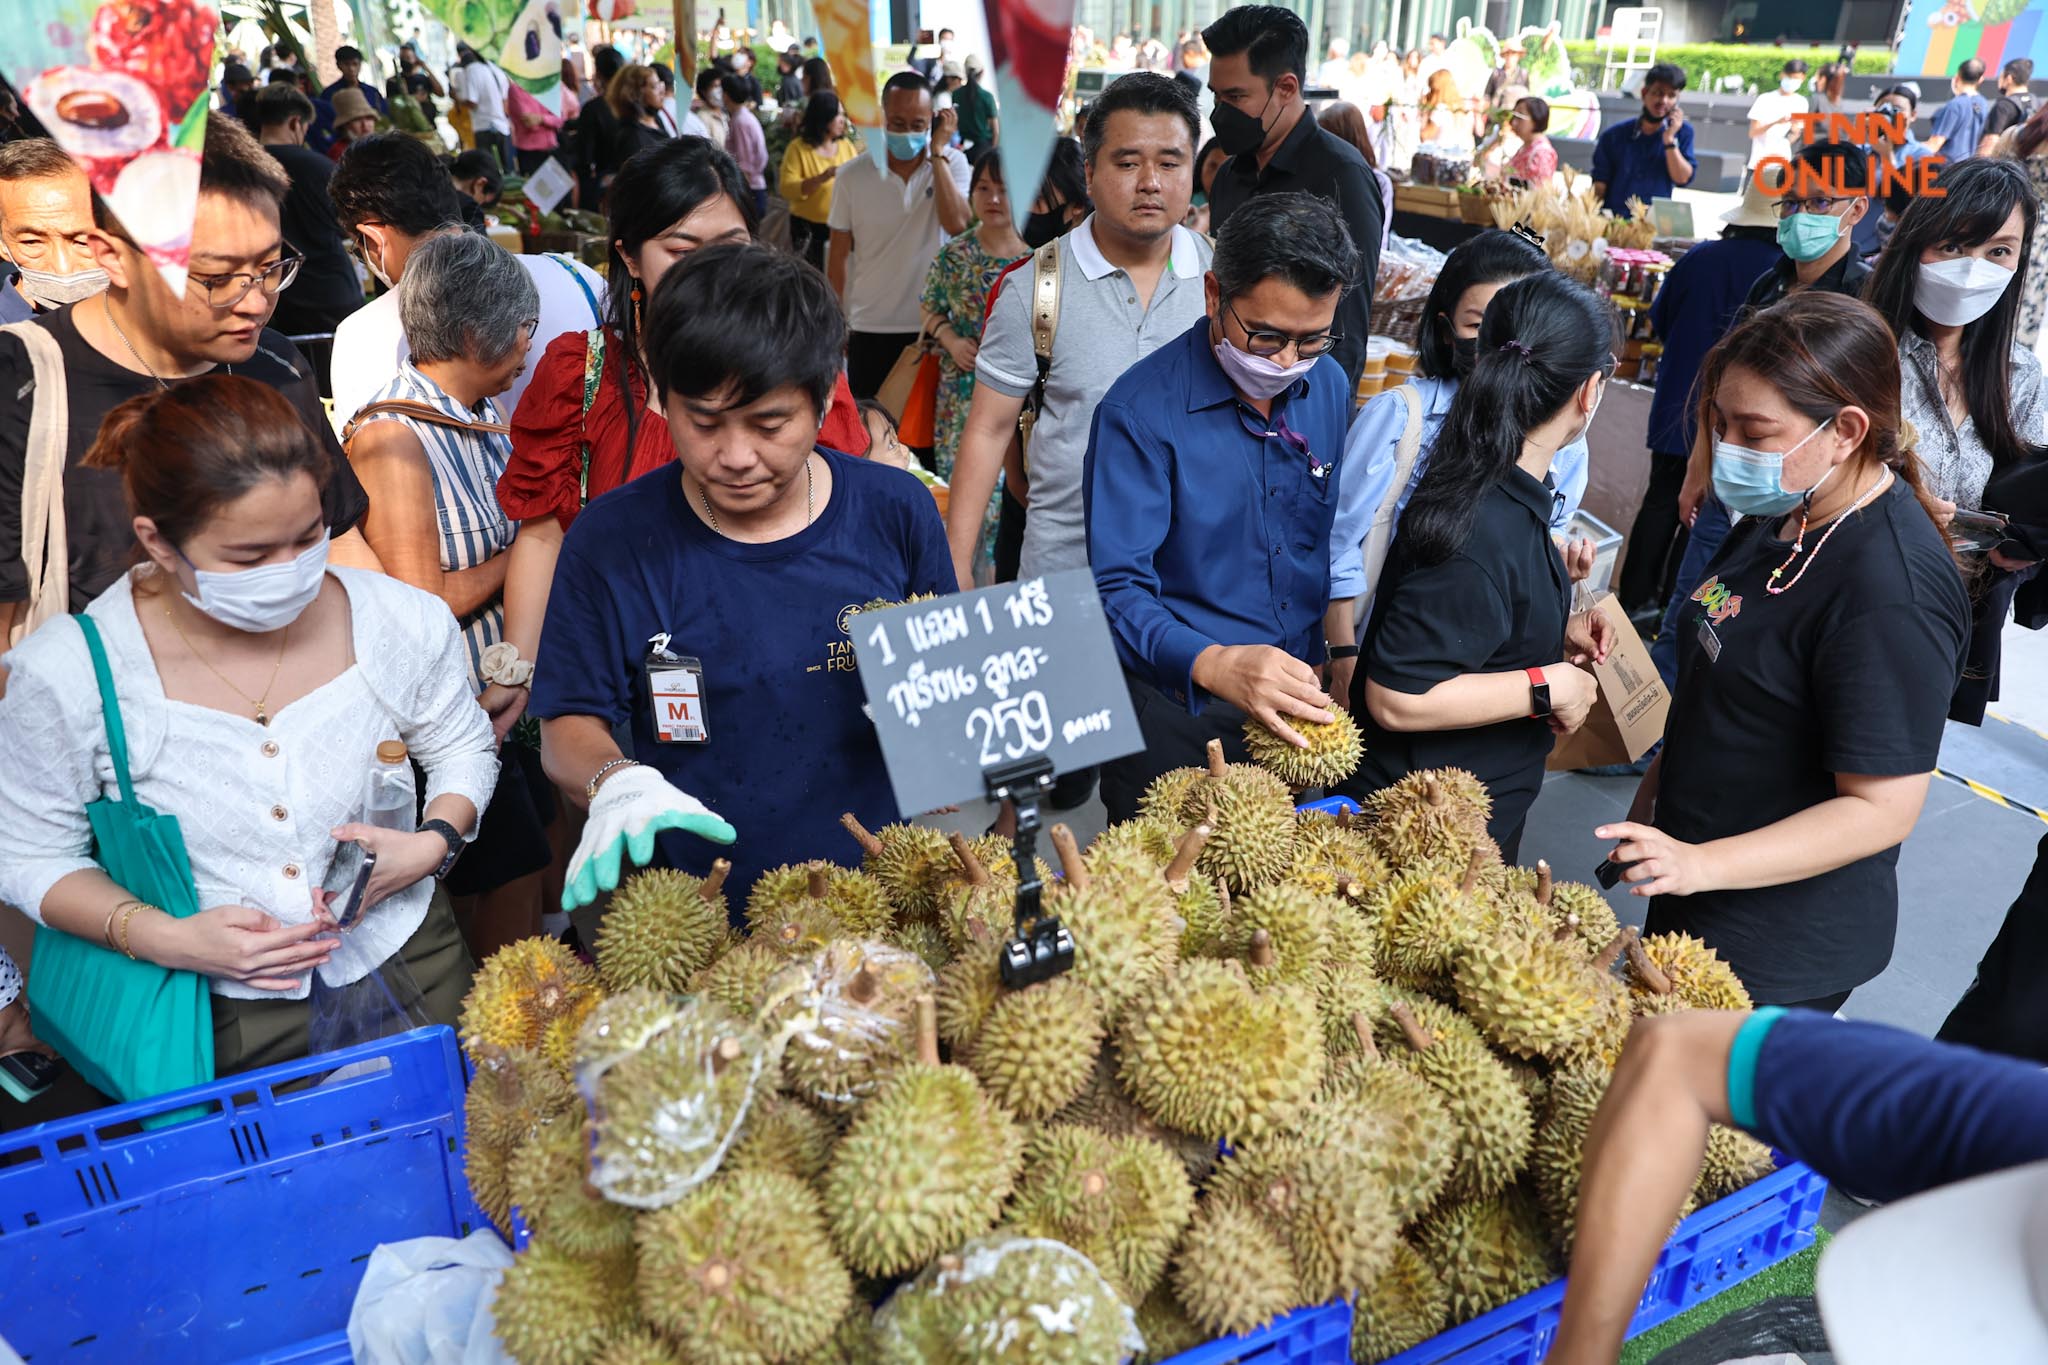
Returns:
(668, 1080)
(850, 1023)
(1004, 1298)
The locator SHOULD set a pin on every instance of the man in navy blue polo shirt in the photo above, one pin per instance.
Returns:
(1651, 154)
(1882, 1112)
(1209, 486)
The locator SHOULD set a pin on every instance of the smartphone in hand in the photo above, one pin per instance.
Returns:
(348, 877)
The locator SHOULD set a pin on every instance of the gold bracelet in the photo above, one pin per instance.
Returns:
(129, 913)
(107, 929)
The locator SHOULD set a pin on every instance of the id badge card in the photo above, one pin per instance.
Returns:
(675, 692)
(1710, 641)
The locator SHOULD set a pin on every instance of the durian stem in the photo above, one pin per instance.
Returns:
(1262, 949)
(1544, 885)
(1606, 960)
(1411, 1028)
(1567, 931)
(977, 875)
(869, 844)
(1222, 896)
(1473, 867)
(1218, 768)
(1344, 818)
(1362, 1028)
(1070, 857)
(713, 884)
(724, 1053)
(864, 986)
(1432, 791)
(1639, 959)
(817, 884)
(1184, 857)
(927, 1030)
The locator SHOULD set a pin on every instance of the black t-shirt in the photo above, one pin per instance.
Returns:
(1845, 276)
(2008, 111)
(1498, 604)
(327, 288)
(96, 516)
(1849, 670)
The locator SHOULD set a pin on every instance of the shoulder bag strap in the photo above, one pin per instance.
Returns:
(562, 260)
(45, 546)
(1045, 310)
(110, 706)
(593, 376)
(1381, 536)
(424, 412)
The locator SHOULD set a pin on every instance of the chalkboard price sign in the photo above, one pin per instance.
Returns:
(965, 684)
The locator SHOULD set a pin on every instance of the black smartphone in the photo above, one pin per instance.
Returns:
(348, 877)
(26, 1075)
(1609, 872)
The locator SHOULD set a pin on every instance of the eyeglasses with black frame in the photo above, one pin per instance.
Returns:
(1267, 343)
(225, 291)
(1816, 203)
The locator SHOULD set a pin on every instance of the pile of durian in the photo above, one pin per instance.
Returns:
(1297, 1059)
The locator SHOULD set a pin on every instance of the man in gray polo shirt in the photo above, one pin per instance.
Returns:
(1130, 282)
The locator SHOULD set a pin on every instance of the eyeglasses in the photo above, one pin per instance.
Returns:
(1818, 203)
(1266, 342)
(225, 291)
(529, 327)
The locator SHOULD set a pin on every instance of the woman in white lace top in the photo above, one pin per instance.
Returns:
(255, 684)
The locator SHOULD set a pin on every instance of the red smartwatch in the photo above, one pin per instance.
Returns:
(1539, 695)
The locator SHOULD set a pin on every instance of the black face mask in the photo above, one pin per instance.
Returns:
(1464, 355)
(1236, 131)
(1040, 228)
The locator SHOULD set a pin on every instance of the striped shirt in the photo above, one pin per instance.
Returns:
(465, 465)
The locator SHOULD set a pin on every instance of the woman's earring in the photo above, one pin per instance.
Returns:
(636, 306)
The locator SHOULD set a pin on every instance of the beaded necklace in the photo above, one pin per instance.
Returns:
(1799, 542)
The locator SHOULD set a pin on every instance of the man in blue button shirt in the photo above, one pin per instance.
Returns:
(1209, 484)
(1651, 154)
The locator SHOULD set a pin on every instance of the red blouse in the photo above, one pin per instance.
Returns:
(550, 429)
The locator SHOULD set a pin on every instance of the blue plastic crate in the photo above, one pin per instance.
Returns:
(1307, 1336)
(1717, 1248)
(1332, 805)
(239, 1236)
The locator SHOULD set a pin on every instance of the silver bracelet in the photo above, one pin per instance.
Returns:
(597, 778)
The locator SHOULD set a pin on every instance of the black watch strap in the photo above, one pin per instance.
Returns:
(1342, 651)
(455, 845)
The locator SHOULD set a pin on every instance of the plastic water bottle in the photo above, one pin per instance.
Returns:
(388, 800)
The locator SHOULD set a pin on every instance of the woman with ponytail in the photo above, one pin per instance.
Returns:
(1815, 665)
(1469, 654)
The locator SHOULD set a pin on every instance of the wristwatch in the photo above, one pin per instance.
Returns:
(1539, 695)
(1341, 651)
(447, 832)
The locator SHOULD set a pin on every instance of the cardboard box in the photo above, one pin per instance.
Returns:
(1629, 716)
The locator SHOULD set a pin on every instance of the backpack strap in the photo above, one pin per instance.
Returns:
(1406, 452)
(45, 547)
(422, 412)
(1045, 321)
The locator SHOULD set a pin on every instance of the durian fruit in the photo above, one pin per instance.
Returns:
(662, 928)
(1391, 1120)
(1677, 971)
(1334, 858)
(1323, 1201)
(669, 1080)
(1556, 1156)
(1296, 924)
(1733, 1161)
(1490, 1111)
(1331, 756)
(1486, 1251)
(638, 1347)
(854, 1022)
(1406, 1306)
(1121, 1202)
(1532, 993)
(1434, 815)
(1205, 1053)
(554, 1308)
(1126, 934)
(801, 906)
(1151, 840)
(1425, 921)
(924, 938)
(1107, 1107)
(1354, 943)
(1250, 814)
(1345, 991)
(975, 896)
(511, 1095)
(741, 1269)
(1036, 1049)
(738, 980)
(1201, 901)
(853, 1341)
(968, 988)
(550, 1182)
(532, 994)
(1167, 798)
(782, 1134)
(1166, 1326)
(908, 860)
(1233, 1273)
(929, 1162)
(1004, 1299)
(1585, 911)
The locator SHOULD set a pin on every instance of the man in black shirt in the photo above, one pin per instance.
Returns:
(327, 288)
(2014, 105)
(1258, 63)
(138, 336)
(1826, 180)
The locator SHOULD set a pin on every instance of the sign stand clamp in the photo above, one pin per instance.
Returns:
(1040, 947)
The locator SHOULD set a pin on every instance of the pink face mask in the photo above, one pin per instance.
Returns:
(1255, 375)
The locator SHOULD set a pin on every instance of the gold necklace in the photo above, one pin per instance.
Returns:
(810, 505)
(262, 703)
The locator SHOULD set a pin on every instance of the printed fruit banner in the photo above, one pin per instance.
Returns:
(523, 37)
(1029, 43)
(848, 41)
(1940, 35)
(121, 85)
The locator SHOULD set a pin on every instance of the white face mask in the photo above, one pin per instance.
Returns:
(262, 599)
(1957, 292)
(1789, 84)
(47, 289)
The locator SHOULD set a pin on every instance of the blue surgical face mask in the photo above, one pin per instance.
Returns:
(908, 146)
(1809, 236)
(1751, 482)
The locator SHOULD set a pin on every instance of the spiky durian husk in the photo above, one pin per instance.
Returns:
(1531, 994)
(1233, 1273)
(853, 1341)
(1354, 942)
(660, 930)
(1251, 814)
(511, 1095)
(741, 1269)
(1126, 933)
(852, 1024)
(782, 1134)
(1556, 1155)
(1404, 1307)
(923, 937)
(1037, 1047)
(1152, 841)
(1204, 906)
(929, 1161)
(853, 905)
(1733, 1161)
(1331, 756)
(553, 1308)
(1297, 926)
(1166, 1326)
(738, 979)
(1424, 923)
(638, 1347)
(1205, 1053)
(1325, 1203)
(1343, 990)
(1106, 1106)
(1488, 1107)
(1408, 827)
(549, 1180)
(1121, 1202)
(1699, 979)
(1334, 860)
(910, 863)
(1395, 1124)
(1486, 1251)
(968, 911)
(532, 994)
(1164, 800)
(992, 1302)
(968, 988)
(1586, 912)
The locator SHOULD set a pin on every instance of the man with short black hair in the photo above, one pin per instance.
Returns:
(1258, 64)
(349, 61)
(1211, 483)
(1773, 115)
(327, 289)
(1651, 154)
(1959, 123)
(888, 225)
(2014, 105)
(237, 85)
(46, 257)
(749, 556)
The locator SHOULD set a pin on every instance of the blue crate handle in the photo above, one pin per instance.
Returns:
(1332, 805)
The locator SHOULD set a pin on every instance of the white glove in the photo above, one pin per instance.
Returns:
(631, 809)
